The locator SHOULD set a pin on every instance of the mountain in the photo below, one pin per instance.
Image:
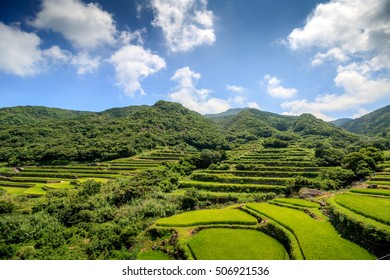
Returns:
(251, 124)
(228, 113)
(340, 122)
(374, 123)
(32, 114)
(47, 135)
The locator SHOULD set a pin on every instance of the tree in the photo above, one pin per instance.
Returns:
(328, 156)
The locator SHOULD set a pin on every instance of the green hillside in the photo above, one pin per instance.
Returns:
(253, 124)
(374, 123)
(45, 135)
(163, 182)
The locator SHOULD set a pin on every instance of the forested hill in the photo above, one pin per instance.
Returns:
(32, 114)
(46, 135)
(374, 123)
(252, 124)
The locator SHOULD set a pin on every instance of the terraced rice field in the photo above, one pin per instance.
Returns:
(235, 244)
(375, 208)
(317, 239)
(383, 178)
(297, 202)
(253, 168)
(208, 217)
(36, 180)
(384, 192)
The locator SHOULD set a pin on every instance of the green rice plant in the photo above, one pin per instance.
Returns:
(14, 190)
(227, 178)
(298, 202)
(381, 183)
(273, 174)
(16, 184)
(222, 187)
(207, 217)
(275, 163)
(317, 238)
(35, 191)
(66, 175)
(371, 207)
(69, 171)
(62, 185)
(370, 234)
(235, 244)
(99, 180)
(385, 192)
(35, 179)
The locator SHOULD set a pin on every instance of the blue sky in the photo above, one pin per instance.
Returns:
(328, 58)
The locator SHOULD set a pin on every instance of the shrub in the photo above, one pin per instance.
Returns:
(275, 143)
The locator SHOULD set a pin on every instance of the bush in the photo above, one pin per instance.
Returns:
(328, 156)
(275, 143)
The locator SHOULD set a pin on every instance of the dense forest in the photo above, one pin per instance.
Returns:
(111, 219)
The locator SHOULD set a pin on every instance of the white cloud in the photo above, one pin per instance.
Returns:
(56, 54)
(84, 63)
(133, 64)
(195, 99)
(359, 91)
(276, 90)
(186, 24)
(19, 51)
(199, 100)
(253, 105)
(355, 35)
(360, 112)
(240, 100)
(127, 37)
(235, 89)
(86, 26)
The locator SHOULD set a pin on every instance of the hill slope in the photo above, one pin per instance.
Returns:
(27, 135)
(374, 123)
(251, 124)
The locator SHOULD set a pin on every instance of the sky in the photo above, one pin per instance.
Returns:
(327, 58)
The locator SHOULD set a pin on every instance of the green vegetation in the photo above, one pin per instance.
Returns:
(370, 207)
(370, 234)
(374, 123)
(318, 239)
(207, 217)
(371, 191)
(121, 184)
(153, 255)
(235, 244)
(298, 202)
(42, 135)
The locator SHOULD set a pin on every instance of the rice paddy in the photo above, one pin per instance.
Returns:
(207, 217)
(372, 207)
(235, 244)
(317, 238)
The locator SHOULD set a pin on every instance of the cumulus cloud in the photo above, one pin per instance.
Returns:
(56, 54)
(359, 91)
(199, 100)
(86, 26)
(19, 51)
(85, 63)
(253, 105)
(235, 89)
(276, 90)
(21, 55)
(355, 35)
(185, 24)
(195, 99)
(132, 65)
